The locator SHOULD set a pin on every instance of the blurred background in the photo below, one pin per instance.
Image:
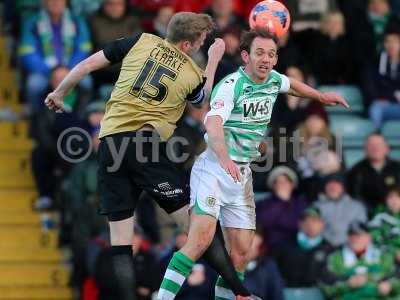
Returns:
(328, 211)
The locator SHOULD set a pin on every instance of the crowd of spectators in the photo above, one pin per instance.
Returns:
(320, 223)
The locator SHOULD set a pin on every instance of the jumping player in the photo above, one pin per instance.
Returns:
(157, 79)
(221, 179)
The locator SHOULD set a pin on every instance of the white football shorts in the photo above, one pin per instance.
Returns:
(214, 192)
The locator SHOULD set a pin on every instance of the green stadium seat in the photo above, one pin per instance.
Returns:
(303, 294)
(352, 130)
(353, 156)
(351, 93)
(391, 131)
(395, 154)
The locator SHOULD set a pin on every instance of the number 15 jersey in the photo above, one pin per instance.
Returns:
(155, 81)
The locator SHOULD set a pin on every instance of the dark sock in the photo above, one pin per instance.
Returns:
(122, 262)
(218, 258)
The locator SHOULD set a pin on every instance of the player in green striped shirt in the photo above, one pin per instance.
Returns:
(221, 180)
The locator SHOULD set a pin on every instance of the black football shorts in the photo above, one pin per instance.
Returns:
(132, 162)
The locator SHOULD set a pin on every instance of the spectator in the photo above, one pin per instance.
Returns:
(47, 165)
(191, 129)
(315, 142)
(302, 260)
(158, 25)
(278, 215)
(111, 22)
(359, 270)
(308, 13)
(290, 111)
(231, 59)
(262, 276)
(385, 225)
(145, 269)
(328, 51)
(200, 283)
(370, 179)
(53, 37)
(81, 198)
(289, 55)
(222, 12)
(383, 83)
(379, 15)
(338, 210)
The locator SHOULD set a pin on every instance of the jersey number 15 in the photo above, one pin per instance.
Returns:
(149, 85)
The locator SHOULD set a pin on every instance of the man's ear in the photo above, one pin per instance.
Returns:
(245, 56)
(276, 59)
(185, 46)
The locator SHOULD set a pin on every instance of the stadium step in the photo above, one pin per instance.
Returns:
(24, 236)
(9, 130)
(30, 218)
(37, 275)
(30, 255)
(39, 293)
(19, 181)
(16, 145)
(15, 163)
(16, 200)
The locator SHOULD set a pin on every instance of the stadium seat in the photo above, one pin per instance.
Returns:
(303, 294)
(351, 129)
(395, 154)
(351, 93)
(353, 156)
(391, 131)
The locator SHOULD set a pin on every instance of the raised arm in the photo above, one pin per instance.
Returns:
(215, 53)
(54, 100)
(300, 89)
(112, 53)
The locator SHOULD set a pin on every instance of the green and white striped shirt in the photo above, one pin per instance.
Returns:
(246, 109)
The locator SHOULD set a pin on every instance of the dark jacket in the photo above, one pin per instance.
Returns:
(265, 281)
(367, 184)
(300, 267)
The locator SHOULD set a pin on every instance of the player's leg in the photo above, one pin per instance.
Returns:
(121, 232)
(216, 254)
(238, 213)
(201, 232)
(118, 196)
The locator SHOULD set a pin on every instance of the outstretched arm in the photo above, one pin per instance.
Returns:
(54, 100)
(300, 89)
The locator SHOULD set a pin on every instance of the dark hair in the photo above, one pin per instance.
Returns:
(393, 189)
(248, 37)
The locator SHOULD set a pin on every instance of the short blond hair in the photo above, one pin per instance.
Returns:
(188, 26)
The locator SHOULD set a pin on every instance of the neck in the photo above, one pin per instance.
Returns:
(55, 19)
(378, 164)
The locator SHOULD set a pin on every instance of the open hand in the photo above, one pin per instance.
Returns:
(55, 102)
(331, 98)
(230, 168)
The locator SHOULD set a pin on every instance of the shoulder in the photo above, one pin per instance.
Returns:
(229, 83)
